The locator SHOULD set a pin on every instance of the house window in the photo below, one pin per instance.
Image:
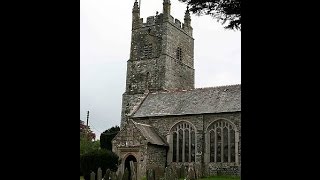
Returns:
(222, 142)
(183, 142)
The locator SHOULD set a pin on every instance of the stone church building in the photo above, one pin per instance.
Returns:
(165, 120)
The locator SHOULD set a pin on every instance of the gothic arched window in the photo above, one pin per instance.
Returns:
(222, 142)
(179, 54)
(183, 142)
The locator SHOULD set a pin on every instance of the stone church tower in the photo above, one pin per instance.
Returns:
(166, 122)
(161, 56)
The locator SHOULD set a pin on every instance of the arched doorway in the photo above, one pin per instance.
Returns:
(127, 164)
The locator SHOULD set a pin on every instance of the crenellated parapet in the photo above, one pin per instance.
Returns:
(161, 19)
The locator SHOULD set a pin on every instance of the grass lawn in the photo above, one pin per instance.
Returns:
(221, 178)
(81, 178)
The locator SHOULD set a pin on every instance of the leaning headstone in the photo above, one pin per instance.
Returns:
(99, 174)
(125, 174)
(151, 174)
(92, 176)
(133, 171)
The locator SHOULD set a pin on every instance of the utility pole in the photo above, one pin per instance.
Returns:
(88, 118)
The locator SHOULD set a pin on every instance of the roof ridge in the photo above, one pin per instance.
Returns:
(172, 90)
(229, 85)
(188, 90)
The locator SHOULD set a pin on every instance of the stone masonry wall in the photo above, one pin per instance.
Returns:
(163, 125)
(156, 159)
(160, 69)
(175, 38)
(129, 141)
(129, 102)
(179, 74)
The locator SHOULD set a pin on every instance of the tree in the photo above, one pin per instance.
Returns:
(222, 10)
(87, 142)
(107, 136)
(85, 132)
(87, 139)
(87, 146)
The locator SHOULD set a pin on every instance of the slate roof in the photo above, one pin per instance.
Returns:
(150, 134)
(197, 101)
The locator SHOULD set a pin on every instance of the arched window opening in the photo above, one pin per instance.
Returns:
(183, 142)
(221, 142)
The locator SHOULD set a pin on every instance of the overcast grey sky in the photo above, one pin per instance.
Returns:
(105, 34)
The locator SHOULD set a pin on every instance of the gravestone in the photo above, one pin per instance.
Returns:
(133, 171)
(197, 171)
(166, 173)
(191, 173)
(183, 171)
(113, 176)
(151, 174)
(186, 171)
(125, 174)
(174, 172)
(92, 176)
(99, 174)
(107, 175)
(158, 172)
(169, 174)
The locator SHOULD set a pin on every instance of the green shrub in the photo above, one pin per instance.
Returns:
(107, 136)
(102, 158)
